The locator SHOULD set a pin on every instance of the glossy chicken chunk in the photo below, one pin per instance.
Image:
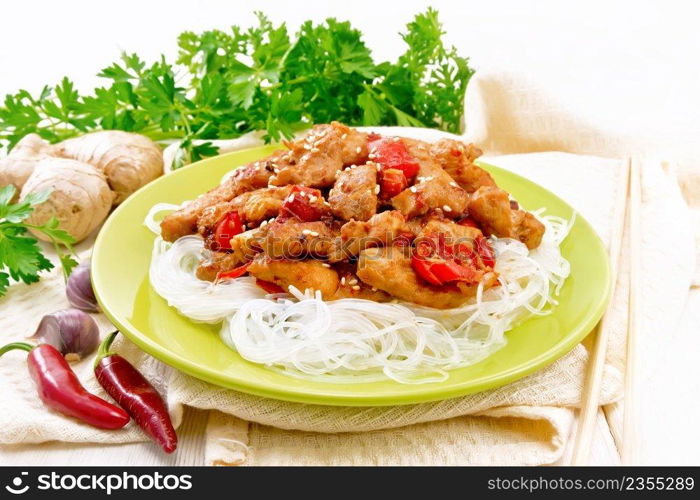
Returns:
(244, 247)
(293, 239)
(434, 188)
(389, 269)
(315, 160)
(304, 274)
(184, 221)
(253, 207)
(454, 233)
(457, 159)
(491, 208)
(380, 230)
(354, 195)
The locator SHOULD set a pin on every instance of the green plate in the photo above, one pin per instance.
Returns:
(120, 277)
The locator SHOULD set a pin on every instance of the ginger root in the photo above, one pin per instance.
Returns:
(87, 175)
(20, 163)
(128, 160)
(80, 196)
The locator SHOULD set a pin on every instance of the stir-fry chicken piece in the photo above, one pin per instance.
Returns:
(184, 221)
(304, 274)
(389, 269)
(293, 239)
(457, 159)
(351, 287)
(315, 160)
(381, 229)
(491, 208)
(253, 207)
(244, 247)
(454, 233)
(434, 188)
(354, 195)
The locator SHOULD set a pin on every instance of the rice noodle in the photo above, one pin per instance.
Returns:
(352, 340)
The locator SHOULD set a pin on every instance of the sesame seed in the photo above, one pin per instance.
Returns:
(263, 223)
(325, 264)
(414, 189)
(302, 194)
(356, 287)
(343, 136)
(374, 289)
(447, 208)
(307, 147)
(342, 280)
(313, 198)
(454, 184)
(306, 232)
(353, 281)
(291, 198)
(315, 150)
(377, 188)
(358, 150)
(245, 227)
(371, 156)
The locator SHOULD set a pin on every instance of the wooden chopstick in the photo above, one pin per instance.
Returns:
(596, 363)
(629, 448)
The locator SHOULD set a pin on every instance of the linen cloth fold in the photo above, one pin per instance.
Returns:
(526, 422)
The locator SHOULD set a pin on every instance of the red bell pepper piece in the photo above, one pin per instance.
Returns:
(483, 248)
(234, 273)
(269, 286)
(299, 204)
(468, 221)
(392, 182)
(423, 268)
(393, 154)
(229, 226)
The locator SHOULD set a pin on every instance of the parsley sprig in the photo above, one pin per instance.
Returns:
(226, 83)
(21, 257)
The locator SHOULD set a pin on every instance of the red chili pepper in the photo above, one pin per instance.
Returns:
(269, 287)
(391, 153)
(392, 182)
(60, 389)
(135, 394)
(229, 226)
(234, 273)
(298, 204)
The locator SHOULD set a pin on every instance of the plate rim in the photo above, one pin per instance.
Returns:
(423, 393)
